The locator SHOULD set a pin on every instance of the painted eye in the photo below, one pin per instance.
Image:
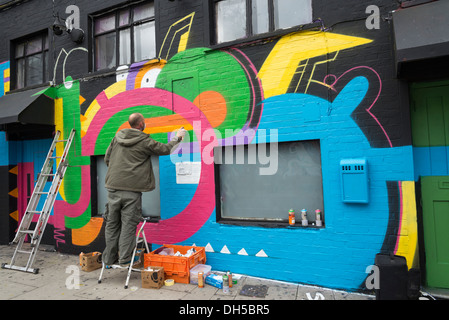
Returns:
(149, 79)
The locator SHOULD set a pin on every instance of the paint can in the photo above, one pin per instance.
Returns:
(304, 217)
(291, 217)
(200, 279)
(318, 218)
(225, 284)
(229, 274)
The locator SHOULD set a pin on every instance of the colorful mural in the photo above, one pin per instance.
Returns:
(194, 89)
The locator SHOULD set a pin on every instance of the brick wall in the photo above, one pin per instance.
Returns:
(348, 98)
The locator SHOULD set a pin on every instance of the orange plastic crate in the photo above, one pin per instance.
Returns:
(176, 268)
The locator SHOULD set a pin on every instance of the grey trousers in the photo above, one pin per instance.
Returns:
(123, 214)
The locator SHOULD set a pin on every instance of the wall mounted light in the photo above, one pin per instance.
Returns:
(60, 25)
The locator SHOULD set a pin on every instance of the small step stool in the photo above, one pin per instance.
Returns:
(140, 237)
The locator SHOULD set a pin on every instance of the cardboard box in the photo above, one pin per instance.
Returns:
(153, 277)
(90, 261)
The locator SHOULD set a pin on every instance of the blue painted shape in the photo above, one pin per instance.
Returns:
(334, 256)
(4, 149)
(431, 161)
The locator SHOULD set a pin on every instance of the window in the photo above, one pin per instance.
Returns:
(151, 203)
(295, 183)
(31, 61)
(236, 19)
(124, 36)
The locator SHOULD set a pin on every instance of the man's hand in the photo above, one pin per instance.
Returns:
(181, 133)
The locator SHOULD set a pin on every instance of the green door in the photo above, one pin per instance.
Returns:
(435, 200)
(430, 134)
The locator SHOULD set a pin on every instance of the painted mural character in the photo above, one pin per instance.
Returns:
(129, 174)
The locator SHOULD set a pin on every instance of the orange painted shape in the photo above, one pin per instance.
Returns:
(87, 234)
(211, 103)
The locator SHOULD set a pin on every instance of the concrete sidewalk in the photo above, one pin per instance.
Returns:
(57, 271)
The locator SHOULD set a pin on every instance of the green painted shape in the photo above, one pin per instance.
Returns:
(198, 70)
(111, 126)
(430, 115)
(435, 200)
(80, 221)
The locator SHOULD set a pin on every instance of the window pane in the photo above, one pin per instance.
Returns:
(125, 46)
(46, 42)
(20, 73)
(20, 50)
(143, 11)
(105, 56)
(289, 13)
(104, 24)
(231, 20)
(34, 70)
(123, 18)
(297, 182)
(34, 46)
(144, 41)
(260, 16)
(151, 201)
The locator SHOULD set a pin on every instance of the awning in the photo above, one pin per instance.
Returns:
(421, 36)
(27, 107)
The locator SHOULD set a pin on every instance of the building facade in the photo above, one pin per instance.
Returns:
(340, 107)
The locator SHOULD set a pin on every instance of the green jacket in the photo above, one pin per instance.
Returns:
(129, 163)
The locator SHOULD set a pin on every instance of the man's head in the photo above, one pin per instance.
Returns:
(137, 121)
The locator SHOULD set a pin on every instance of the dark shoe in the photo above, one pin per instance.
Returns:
(126, 264)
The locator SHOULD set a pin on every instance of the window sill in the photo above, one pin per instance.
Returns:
(267, 36)
(268, 224)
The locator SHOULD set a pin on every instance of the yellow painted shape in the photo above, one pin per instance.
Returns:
(280, 66)
(183, 42)
(14, 170)
(114, 89)
(15, 215)
(59, 125)
(14, 193)
(88, 233)
(408, 234)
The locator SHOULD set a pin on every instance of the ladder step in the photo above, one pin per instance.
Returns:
(47, 174)
(27, 231)
(24, 251)
(55, 157)
(34, 211)
(61, 140)
(42, 192)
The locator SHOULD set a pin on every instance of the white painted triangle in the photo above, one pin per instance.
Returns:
(225, 250)
(262, 254)
(209, 248)
(242, 252)
(194, 245)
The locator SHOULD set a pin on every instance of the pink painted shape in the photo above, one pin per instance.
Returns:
(76, 209)
(192, 218)
(374, 102)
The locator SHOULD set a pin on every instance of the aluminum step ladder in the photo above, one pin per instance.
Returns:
(25, 229)
(140, 238)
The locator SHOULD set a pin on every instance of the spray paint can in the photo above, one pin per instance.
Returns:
(291, 217)
(200, 279)
(229, 274)
(304, 217)
(225, 284)
(318, 217)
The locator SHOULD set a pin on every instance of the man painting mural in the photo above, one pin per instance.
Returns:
(130, 173)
